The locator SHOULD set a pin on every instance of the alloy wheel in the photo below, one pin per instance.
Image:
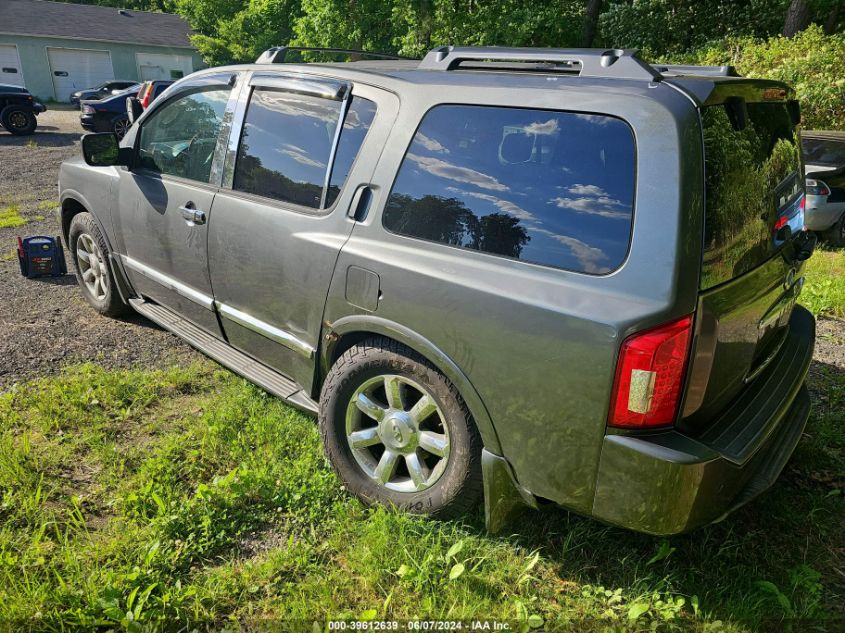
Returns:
(397, 433)
(92, 266)
(121, 127)
(18, 120)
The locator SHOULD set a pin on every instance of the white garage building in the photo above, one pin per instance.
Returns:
(55, 49)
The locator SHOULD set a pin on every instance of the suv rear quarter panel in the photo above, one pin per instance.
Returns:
(537, 344)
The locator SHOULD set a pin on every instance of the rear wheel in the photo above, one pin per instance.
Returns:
(835, 235)
(18, 120)
(397, 432)
(93, 269)
(121, 127)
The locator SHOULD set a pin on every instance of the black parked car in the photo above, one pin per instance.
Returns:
(18, 110)
(108, 115)
(103, 91)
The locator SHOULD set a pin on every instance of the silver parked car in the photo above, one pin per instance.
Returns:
(522, 275)
(824, 166)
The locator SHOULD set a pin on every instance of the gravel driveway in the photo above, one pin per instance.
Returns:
(45, 324)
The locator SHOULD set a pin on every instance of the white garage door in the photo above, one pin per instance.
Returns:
(76, 68)
(160, 66)
(10, 65)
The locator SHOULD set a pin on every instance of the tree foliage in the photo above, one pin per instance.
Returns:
(745, 32)
(811, 62)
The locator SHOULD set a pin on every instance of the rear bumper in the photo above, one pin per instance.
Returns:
(667, 483)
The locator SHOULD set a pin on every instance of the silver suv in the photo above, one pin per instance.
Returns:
(526, 275)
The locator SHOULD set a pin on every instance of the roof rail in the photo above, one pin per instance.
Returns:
(589, 62)
(277, 54)
(689, 69)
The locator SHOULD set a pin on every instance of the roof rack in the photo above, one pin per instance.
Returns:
(688, 69)
(588, 62)
(277, 54)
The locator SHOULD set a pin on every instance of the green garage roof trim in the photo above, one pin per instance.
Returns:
(54, 48)
(94, 23)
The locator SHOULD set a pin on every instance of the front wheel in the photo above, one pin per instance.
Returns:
(90, 252)
(18, 120)
(397, 432)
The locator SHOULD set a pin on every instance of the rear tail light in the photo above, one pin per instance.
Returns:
(650, 375)
(148, 91)
(817, 188)
(86, 109)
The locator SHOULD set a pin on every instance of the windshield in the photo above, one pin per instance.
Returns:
(753, 186)
(824, 152)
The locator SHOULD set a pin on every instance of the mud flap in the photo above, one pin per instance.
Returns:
(504, 498)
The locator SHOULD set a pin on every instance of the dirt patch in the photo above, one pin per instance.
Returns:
(830, 342)
(45, 324)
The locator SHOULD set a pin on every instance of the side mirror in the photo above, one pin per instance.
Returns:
(103, 150)
(134, 109)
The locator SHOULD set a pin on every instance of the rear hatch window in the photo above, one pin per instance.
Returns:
(750, 279)
(753, 186)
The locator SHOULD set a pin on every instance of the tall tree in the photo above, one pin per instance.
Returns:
(591, 20)
(797, 17)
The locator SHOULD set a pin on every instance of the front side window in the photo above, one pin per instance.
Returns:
(180, 137)
(551, 188)
(286, 146)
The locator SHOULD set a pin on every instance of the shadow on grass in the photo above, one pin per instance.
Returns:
(779, 558)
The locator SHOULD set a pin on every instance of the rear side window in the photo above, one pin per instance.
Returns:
(551, 188)
(753, 187)
(286, 146)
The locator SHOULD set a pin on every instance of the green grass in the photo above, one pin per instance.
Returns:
(140, 500)
(10, 217)
(824, 292)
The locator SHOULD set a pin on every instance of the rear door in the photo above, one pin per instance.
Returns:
(292, 173)
(166, 198)
(750, 279)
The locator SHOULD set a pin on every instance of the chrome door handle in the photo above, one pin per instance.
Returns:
(192, 215)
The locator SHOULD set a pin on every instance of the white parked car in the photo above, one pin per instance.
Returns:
(824, 169)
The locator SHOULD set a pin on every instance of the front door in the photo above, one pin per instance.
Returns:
(283, 214)
(166, 199)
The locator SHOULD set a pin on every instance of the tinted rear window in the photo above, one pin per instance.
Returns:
(753, 186)
(552, 188)
(286, 146)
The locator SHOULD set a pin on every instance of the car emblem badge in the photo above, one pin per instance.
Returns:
(790, 278)
(397, 432)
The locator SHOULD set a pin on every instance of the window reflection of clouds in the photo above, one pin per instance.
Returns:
(441, 168)
(567, 180)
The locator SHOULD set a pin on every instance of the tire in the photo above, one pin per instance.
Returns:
(94, 274)
(835, 235)
(448, 483)
(120, 127)
(19, 120)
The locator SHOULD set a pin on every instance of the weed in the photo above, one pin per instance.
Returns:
(189, 499)
(824, 291)
(10, 217)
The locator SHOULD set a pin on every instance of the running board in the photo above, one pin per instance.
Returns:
(268, 379)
